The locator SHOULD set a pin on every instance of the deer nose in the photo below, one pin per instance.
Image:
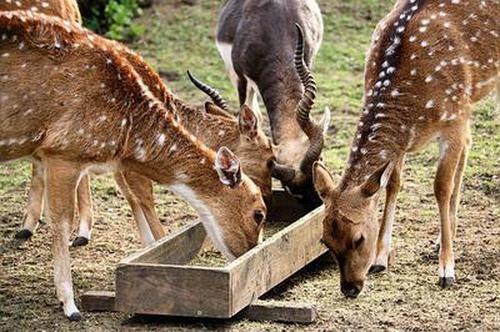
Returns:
(350, 290)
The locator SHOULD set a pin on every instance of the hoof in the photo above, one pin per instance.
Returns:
(377, 268)
(80, 241)
(23, 234)
(446, 282)
(75, 317)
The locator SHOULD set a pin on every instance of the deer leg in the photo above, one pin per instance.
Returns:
(61, 182)
(145, 232)
(35, 203)
(385, 231)
(451, 151)
(85, 211)
(142, 188)
(455, 197)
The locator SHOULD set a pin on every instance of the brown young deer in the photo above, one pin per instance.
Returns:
(428, 63)
(210, 123)
(256, 40)
(73, 102)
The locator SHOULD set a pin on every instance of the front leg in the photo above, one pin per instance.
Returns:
(61, 182)
(147, 234)
(385, 232)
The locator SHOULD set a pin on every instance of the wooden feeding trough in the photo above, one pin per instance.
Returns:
(159, 281)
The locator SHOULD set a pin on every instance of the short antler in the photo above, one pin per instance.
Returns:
(211, 92)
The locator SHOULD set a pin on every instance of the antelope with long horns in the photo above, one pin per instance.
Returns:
(429, 62)
(256, 40)
(71, 100)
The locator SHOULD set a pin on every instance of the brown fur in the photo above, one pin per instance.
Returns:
(210, 124)
(422, 76)
(65, 9)
(73, 102)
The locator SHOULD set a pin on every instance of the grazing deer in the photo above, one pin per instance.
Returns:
(256, 40)
(210, 123)
(67, 10)
(214, 127)
(428, 63)
(73, 102)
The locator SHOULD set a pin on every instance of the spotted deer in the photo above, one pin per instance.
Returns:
(211, 123)
(67, 10)
(429, 62)
(245, 137)
(70, 100)
(256, 39)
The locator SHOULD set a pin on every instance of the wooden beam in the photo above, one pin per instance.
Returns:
(287, 312)
(98, 301)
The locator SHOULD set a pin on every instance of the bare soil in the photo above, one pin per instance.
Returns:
(406, 297)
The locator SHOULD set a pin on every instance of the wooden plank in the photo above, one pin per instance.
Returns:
(273, 261)
(172, 290)
(98, 301)
(286, 312)
(179, 247)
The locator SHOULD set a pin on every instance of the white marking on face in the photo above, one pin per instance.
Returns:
(207, 218)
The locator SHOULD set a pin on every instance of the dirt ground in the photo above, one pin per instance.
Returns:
(406, 297)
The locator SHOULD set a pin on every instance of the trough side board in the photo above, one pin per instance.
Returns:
(172, 290)
(264, 267)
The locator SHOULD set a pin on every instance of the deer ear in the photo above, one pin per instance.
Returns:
(377, 180)
(210, 107)
(248, 122)
(228, 167)
(323, 181)
(325, 120)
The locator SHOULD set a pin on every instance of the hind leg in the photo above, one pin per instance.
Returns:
(35, 203)
(86, 213)
(452, 148)
(455, 197)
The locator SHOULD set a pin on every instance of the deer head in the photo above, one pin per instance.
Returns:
(250, 143)
(350, 228)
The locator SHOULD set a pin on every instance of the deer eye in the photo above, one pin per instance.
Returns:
(358, 242)
(258, 216)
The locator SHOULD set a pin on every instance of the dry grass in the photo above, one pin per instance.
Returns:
(404, 298)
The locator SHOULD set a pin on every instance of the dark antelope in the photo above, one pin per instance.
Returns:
(428, 63)
(51, 71)
(256, 40)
